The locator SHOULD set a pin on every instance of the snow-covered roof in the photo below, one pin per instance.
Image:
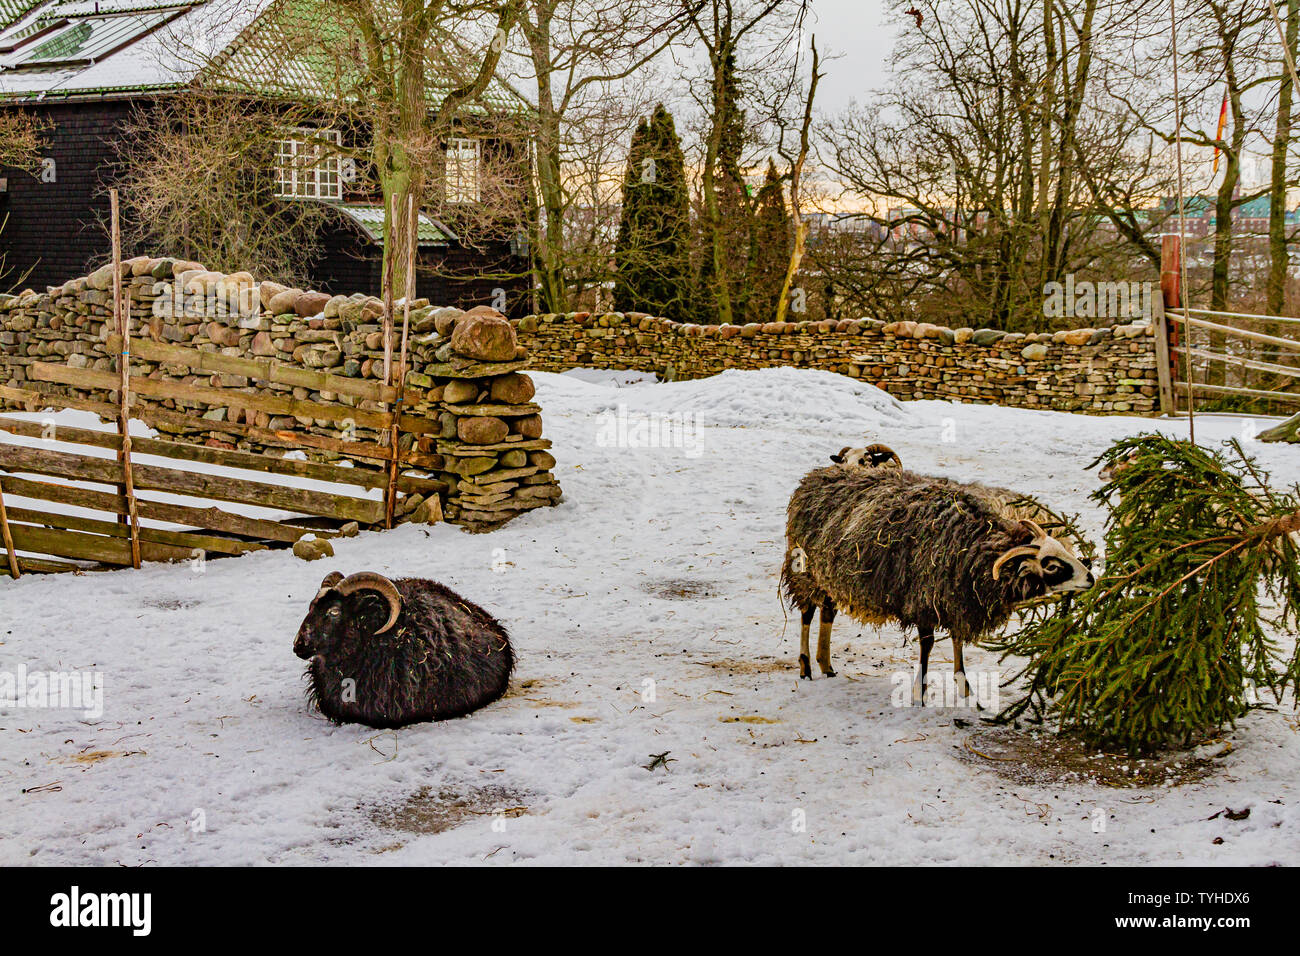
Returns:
(370, 218)
(59, 48)
(283, 48)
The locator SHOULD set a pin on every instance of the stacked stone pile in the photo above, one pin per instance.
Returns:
(496, 462)
(1093, 370)
(485, 439)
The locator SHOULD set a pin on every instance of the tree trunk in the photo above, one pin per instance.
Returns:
(1288, 430)
(796, 174)
(721, 276)
(551, 248)
(1277, 244)
(1057, 240)
(1224, 204)
(399, 177)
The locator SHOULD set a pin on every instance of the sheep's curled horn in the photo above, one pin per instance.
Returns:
(367, 581)
(883, 452)
(1024, 549)
(876, 450)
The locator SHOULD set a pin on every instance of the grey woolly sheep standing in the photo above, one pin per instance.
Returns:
(888, 544)
(391, 653)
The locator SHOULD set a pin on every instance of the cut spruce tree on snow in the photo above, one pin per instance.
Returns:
(1172, 643)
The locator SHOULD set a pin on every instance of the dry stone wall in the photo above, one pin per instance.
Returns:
(482, 434)
(1109, 370)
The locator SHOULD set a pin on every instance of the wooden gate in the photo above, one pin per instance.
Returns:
(1233, 359)
(97, 521)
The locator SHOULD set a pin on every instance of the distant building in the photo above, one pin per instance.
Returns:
(1200, 218)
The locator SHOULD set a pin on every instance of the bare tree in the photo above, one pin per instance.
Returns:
(581, 54)
(199, 174)
(993, 163)
(22, 138)
(403, 74)
(741, 40)
(1280, 177)
(796, 175)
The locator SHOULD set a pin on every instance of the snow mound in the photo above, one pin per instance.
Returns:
(784, 397)
(610, 376)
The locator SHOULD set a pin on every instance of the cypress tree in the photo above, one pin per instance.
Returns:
(771, 241)
(652, 252)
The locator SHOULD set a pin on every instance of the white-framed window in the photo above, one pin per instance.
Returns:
(309, 165)
(464, 157)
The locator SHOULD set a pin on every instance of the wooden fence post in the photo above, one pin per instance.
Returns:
(1168, 406)
(410, 249)
(8, 538)
(390, 259)
(1171, 294)
(1171, 278)
(122, 317)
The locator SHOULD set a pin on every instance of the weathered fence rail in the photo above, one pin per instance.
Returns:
(105, 529)
(1208, 352)
(1223, 357)
(277, 384)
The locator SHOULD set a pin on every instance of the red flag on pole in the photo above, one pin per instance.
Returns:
(1218, 134)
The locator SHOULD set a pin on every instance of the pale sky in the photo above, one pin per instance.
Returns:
(862, 33)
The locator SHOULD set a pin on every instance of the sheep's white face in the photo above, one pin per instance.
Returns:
(1047, 559)
(873, 456)
(1112, 471)
(1061, 571)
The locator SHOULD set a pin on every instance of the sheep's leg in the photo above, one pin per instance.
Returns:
(964, 689)
(805, 662)
(824, 638)
(927, 642)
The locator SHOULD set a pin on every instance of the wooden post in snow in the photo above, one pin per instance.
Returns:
(8, 538)
(122, 314)
(1164, 376)
(390, 257)
(394, 438)
(1171, 276)
(1171, 295)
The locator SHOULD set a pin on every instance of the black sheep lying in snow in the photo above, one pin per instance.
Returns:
(390, 653)
(886, 544)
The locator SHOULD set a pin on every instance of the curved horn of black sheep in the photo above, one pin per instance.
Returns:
(886, 544)
(390, 653)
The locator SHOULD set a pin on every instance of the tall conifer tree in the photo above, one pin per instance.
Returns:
(771, 240)
(652, 253)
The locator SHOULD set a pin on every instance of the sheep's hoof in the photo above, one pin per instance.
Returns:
(828, 672)
(805, 669)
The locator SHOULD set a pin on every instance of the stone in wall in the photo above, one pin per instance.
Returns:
(495, 461)
(1094, 371)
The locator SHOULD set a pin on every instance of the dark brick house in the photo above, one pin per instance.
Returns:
(83, 66)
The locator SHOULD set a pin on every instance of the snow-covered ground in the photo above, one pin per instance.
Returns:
(646, 621)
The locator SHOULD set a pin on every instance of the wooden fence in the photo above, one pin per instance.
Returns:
(1232, 358)
(105, 531)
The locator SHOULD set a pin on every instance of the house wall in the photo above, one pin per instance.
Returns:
(54, 229)
(451, 275)
(1095, 371)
